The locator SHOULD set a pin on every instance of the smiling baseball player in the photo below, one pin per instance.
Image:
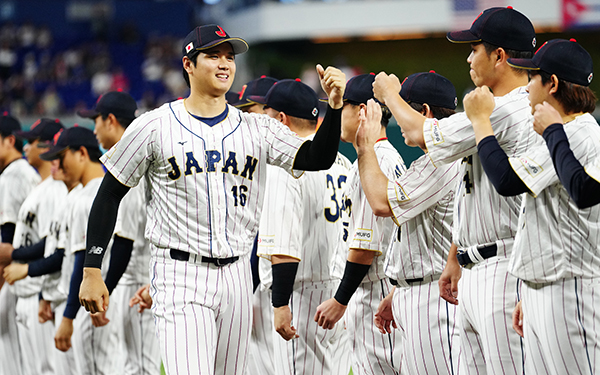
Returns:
(205, 164)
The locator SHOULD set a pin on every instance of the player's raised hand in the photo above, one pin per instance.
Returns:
(329, 313)
(282, 317)
(517, 319)
(479, 105)
(386, 85)
(142, 298)
(99, 319)
(15, 272)
(384, 319)
(333, 82)
(544, 116)
(93, 294)
(370, 125)
(45, 311)
(62, 338)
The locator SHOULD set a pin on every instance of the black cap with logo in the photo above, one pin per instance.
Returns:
(8, 125)
(292, 97)
(256, 87)
(429, 87)
(119, 103)
(73, 138)
(208, 36)
(43, 129)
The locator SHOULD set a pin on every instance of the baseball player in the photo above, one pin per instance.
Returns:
(369, 237)
(484, 223)
(256, 87)
(556, 251)
(17, 180)
(301, 243)
(113, 112)
(421, 202)
(205, 164)
(31, 230)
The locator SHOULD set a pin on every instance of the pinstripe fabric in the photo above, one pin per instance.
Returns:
(594, 170)
(64, 362)
(261, 353)
(203, 314)
(36, 340)
(9, 338)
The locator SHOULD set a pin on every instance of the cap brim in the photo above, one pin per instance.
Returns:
(522, 64)
(88, 113)
(53, 153)
(243, 104)
(22, 134)
(239, 45)
(465, 36)
(257, 99)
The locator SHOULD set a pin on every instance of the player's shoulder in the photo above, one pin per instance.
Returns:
(21, 171)
(343, 161)
(151, 116)
(517, 97)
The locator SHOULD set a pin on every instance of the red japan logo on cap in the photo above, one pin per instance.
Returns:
(221, 32)
(242, 92)
(57, 135)
(36, 124)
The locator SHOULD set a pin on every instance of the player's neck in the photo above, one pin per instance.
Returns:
(508, 82)
(44, 169)
(203, 105)
(91, 172)
(12, 156)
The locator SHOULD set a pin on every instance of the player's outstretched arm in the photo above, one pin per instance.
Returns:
(374, 182)
(448, 282)
(284, 271)
(386, 89)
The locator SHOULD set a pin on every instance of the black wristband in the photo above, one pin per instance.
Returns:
(354, 273)
(284, 276)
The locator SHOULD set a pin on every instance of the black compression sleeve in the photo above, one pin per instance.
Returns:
(103, 217)
(119, 259)
(29, 253)
(284, 276)
(48, 265)
(498, 169)
(353, 276)
(7, 232)
(76, 279)
(582, 188)
(321, 152)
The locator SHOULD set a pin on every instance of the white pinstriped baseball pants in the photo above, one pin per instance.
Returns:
(35, 339)
(203, 314)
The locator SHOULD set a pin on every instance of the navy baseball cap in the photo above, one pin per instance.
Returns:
(359, 89)
(232, 97)
(502, 27)
(208, 36)
(119, 103)
(8, 125)
(257, 87)
(43, 129)
(565, 58)
(292, 97)
(429, 87)
(73, 138)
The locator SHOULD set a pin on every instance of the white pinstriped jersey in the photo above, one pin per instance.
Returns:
(482, 216)
(302, 218)
(16, 182)
(594, 170)
(206, 182)
(367, 231)
(33, 224)
(556, 240)
(131, 222)
(422, 203)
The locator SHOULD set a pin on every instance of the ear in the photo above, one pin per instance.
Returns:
(112, 120)
(553, 84)
(187, 64)
(426, 110)
(84, 152)
(283, 118)
(501, 56)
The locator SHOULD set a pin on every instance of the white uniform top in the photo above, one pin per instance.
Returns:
(482, 216)
(33, 224)
(131, 222)
(594, 170)
(302, 218)
(206, 182)
(422, 203)
(367, 231)
(53, 288)
(16, 182)
(556, 240)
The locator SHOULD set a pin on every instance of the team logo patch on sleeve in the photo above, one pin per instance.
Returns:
(531, 166)
(363, 235)
(401, 195)
(266, 241)
(436, 133)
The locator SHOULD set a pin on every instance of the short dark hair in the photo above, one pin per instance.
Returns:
(18, 142)
(511, 53)
(124, 122)
(386, 114)
(94, 153)
(574, 98)
(437, 112)
(193, 59)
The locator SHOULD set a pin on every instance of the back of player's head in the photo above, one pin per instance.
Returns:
(8, 126)
(122, 105)
(432, 89)
(43, 130)
(256, 87)
(205, 37)
(292, 97)
(74, 138)
(359, 89)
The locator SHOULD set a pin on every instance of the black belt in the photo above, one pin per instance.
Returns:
(408, 281)
(486, 252)
(185, 256)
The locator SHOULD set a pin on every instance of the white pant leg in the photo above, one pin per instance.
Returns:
(203, 315)
(35, 339)
(430, 326)
(372, 351)
(64, 362)
(260, 355)
(561, 326)
(487, 296)
(9, 338)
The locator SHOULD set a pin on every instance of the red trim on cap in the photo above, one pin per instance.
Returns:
(298, 80)
(263, 76)
(372, 73)
(56, 120)
(5, 113)
(75, 125)
(221, 32)
(432, 71)
(509, 7)
(573, 40)
(381, 139)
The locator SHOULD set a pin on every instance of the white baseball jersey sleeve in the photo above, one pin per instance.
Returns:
(594, 170)
(16, 182)
(556, 240)
(482, 216)
(422, 202)
(206, 182)
(367, 231)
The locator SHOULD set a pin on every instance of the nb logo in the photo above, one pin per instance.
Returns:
(96, 250)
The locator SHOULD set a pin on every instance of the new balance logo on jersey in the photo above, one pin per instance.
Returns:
(212, 158)
(363, 235)
(30, 219)
(531, 166)
(95, 250)
(401, 195)
(436, 133)
(266, 241)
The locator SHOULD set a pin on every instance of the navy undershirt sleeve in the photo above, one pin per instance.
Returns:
(497, 167)
(284, 276)
(321, 152)
(29, 253)
(47, 265)
(7, 231)
(120, 254)
(76, 278)
(582, 188)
